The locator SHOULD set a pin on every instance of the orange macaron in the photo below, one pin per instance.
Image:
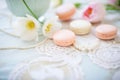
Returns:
(64, 38)
(65, 11)
(106, 31)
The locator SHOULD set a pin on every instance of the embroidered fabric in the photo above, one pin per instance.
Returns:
(47, 68)
(107, 57)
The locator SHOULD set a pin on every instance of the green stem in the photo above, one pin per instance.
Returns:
(29, 9)
(112, 7)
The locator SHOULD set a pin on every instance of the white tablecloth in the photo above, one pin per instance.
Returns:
(10, 58)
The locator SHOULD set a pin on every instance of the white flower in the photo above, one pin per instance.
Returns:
(50, 27)
(27, 27)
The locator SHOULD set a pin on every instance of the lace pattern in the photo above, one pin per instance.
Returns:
(69, 54)
(105, 55)
(51, 67)
(87, 43)
(117, 39)
(108, 57)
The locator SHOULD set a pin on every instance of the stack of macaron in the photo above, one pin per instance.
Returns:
(93, 13)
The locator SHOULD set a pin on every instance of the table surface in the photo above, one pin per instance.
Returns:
(10, 58)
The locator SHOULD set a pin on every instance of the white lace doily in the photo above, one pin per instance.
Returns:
(87, 43)
(105, 44)
(47, 68)
(107, 57)
(69, 54)
(117, 39)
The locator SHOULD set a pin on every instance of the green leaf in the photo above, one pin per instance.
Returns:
(33, 14)
(77, 5)
(111, 7)
(118, 2)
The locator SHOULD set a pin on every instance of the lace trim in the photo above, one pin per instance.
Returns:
(117, 39)
(87, 43)
(69, 54)
(51, 67)
(107, 57)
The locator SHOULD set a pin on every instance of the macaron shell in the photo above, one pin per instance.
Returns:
(80, 27)
(105, 36)
(64, 38)
(106, 31)
(65, 11)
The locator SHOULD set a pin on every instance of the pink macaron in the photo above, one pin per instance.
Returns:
(106, 31)
(94, 12)
(64, 38)
(66, 11)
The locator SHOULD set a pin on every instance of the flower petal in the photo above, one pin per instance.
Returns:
(27, 27)
(94, 12)
(37, 24)
(19, 25)
(50, 27)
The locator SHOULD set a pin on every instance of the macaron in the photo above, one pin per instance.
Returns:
(94, 12)
(106, 31)
(65, 11)
(64, 38)
(80, 26)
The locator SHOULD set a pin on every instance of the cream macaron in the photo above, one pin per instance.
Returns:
(66, 11)
(106, 31)
(64, 37)
(80, 26)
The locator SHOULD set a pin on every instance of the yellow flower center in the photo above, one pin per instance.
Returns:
(48, 28)
(30, 25)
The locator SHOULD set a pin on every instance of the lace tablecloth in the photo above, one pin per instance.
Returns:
(65, 63)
